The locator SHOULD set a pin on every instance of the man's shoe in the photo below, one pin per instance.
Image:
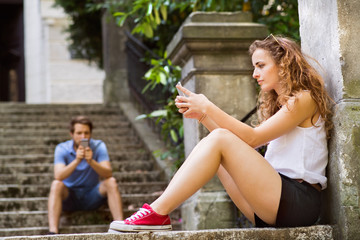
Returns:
(143, 220)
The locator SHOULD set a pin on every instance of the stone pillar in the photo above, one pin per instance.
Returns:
(212, 49)
(115, 86)
(35, 54)
(329, 30)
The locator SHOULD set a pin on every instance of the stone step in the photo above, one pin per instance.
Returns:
(38, 149)
(318, 232)
(118, 123)
(124, 131)
(49, 158)
(43, 178)
(14, 168)
(98, 228)
(40, 218)
(53, 140)
(4, 106)
(51, 108)
(124, 166)
(61, 118)
(29, 231)
(42, 190)
(130, 202)
(64, 118)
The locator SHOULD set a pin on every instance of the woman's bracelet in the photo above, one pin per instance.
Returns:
(202, 118)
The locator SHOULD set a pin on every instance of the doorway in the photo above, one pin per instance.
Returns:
(12, 66)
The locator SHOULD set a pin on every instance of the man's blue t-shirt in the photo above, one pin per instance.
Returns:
(83, 176)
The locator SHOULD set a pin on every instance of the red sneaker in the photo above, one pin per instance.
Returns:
(143, 220)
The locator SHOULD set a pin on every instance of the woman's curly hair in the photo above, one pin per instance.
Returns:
(296, 75)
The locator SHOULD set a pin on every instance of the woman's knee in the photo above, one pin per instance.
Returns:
(224, 138)
(221, 134)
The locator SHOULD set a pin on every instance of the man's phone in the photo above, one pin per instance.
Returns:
(179, 91)
(84, 142)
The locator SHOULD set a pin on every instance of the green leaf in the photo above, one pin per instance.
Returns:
(181, 131)
(149, 10)
(138, 28)
(165, 155)
(147, 30)
(148, 73)
(158, 113)
(163, 11)
(173, 135)
(146, 88)
(157, 153)
(117, 14)
(142, 116)
(157, 17)
(162, 78)
(121, 20)
(154, 62)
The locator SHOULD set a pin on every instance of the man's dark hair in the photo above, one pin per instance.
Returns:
(82, 120)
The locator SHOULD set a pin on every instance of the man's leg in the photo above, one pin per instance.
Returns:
(109, 188)
(58, 192)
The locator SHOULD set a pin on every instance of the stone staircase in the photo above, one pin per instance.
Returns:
(28, 136)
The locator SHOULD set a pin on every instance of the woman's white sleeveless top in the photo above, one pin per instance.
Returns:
(301, 154)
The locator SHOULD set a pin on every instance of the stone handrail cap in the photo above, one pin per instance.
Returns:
(216, 27)
(224, 17)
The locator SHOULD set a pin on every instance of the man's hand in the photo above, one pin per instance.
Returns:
(88, 155)
(80, 153)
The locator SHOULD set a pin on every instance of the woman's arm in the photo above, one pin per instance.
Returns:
(280, 123)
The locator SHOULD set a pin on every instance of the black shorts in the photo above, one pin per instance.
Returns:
(300, 205)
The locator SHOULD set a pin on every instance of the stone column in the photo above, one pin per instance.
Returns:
(35, 54)
(115, 86)
(329, 30)
(212, 49)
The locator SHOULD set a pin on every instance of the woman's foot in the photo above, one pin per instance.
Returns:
(146, 219)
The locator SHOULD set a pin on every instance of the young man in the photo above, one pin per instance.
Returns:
(77, 173)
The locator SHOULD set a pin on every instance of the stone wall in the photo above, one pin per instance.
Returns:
(329, 30)
(115, 86)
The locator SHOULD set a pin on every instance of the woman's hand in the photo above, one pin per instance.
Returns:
(192, 106)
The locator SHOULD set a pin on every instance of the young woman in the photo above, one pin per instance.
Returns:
(281, 189)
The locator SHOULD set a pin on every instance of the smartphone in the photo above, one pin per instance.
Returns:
(179, 91)
(84, 142)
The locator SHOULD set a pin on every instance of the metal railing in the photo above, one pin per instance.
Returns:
(137, 52)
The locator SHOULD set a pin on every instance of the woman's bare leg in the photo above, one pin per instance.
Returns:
(235, 194)
(258, 182)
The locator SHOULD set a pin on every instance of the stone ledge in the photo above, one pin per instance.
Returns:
(321, 232)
